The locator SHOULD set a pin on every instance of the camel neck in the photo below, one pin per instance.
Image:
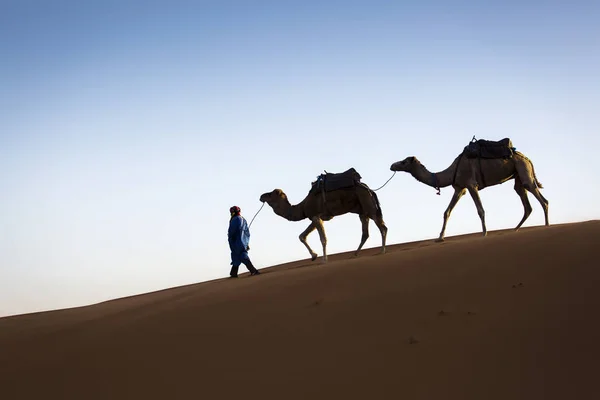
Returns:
(435, 179)
(290, 212)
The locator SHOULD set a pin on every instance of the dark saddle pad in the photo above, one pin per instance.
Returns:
(330, 181)
(489, 149)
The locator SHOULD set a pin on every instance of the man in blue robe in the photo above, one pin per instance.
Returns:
(239, 240)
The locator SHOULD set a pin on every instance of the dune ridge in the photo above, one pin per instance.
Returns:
(509, 316)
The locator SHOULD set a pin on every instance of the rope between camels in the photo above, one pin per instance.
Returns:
(386, 182)
(255, 215)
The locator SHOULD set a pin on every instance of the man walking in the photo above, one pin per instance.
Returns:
(239, 239)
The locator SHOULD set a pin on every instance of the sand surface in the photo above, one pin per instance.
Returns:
(515, 315)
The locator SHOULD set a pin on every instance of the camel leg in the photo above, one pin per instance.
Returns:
(364, 220)
(303, 237)
(475, 195)
(526, 205)
(383, 229)
(544, 203)
(525, 171)
(458, 193)
(318, 223)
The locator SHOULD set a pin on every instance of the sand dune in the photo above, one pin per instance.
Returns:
(509, 316)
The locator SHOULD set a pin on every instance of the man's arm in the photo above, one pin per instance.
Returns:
(234, 230)
(246, 233)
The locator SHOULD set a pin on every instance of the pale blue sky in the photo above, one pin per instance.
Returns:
(128, 128)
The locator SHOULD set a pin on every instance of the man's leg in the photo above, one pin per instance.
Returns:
(250, 266)
(234, 270)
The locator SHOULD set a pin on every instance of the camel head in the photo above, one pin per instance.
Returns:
(274, 197)
(405, 165)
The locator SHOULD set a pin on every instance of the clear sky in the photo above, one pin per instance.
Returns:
(128, 128)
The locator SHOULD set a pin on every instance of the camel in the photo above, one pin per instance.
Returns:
(320, 207)
(466, 174)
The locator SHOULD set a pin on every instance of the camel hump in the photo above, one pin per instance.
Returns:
(334, 181)
(483, 148)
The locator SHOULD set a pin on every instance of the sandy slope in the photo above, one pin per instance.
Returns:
(510, 316)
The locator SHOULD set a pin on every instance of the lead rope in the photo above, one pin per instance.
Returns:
(256, 215)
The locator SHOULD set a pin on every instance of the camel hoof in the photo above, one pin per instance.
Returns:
(439, 240)
(313, 257)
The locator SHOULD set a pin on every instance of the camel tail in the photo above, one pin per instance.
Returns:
(537, 183)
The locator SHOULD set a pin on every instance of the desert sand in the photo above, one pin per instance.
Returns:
(515, 315)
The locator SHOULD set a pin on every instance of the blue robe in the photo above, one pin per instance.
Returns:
(239, 239)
